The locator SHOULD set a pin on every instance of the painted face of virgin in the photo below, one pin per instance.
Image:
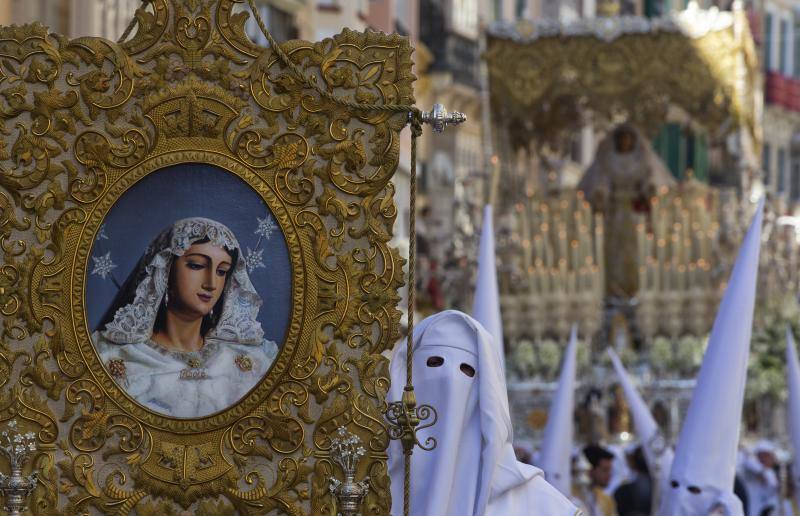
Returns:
(199, 279)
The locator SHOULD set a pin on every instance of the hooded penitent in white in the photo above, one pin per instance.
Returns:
(793, 381)
(486, 305)
(704, 467)
(472, 471)
(760, 479)
(555, 457)
(658, 454)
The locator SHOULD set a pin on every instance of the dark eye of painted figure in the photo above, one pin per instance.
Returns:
(468, 370)
(674, 484)
(435, 361)
(694, 489)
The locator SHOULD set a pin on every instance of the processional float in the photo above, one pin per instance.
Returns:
(291, 149)
(632, 254)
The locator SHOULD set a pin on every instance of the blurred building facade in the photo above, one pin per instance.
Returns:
(776, 26)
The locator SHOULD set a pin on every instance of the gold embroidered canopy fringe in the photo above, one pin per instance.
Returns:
(548, 79)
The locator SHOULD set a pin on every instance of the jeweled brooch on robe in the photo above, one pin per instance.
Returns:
(244, 363)
(116, 367)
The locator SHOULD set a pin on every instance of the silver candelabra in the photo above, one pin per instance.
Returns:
(15, 487)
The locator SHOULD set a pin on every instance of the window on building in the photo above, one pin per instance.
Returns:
(781, 170)
(700, 162)
(280, 23)
(794, 185)
(681, 150)
(782, 47)
(788, 47)
(498, 9)
(768, 21)
(465, 17)
(655, 8)
(796, 44)
(402, 12)
(766, 162)
(519, 8)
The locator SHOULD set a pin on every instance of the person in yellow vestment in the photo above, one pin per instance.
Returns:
(595, 501)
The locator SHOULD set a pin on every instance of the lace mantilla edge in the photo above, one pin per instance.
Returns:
(238, 323)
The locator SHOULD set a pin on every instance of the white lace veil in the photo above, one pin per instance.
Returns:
(133, 321)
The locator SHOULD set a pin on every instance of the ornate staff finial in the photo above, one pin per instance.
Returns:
(15, 487)
(439, 118)
(404, 419)
(346, 451)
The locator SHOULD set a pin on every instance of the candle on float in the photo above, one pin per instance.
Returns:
(669, 278)
(681, 277)
(654, 220)
(652, 273)
(574, 254)
(640, 241)
(642, 278)
(686, 237)
(561, 275)
(660, 262)
(526, 251)
(599, 257)
(546, 242)
(562, 242)
(582, 243)
(676, 247)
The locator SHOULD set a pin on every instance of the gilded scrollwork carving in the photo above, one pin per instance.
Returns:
(81, 122)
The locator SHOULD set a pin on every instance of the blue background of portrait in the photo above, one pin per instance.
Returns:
(192, 190)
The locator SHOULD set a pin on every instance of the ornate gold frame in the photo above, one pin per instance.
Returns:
(81, 121)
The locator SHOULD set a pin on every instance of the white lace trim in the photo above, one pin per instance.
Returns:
(238, 322)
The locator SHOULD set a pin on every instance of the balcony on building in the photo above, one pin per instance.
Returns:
(453, 42)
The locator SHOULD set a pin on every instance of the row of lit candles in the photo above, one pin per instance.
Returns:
(673, 244)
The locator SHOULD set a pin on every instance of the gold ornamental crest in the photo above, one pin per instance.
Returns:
(197, 281)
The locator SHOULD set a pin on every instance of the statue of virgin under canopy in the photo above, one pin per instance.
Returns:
(182, 336)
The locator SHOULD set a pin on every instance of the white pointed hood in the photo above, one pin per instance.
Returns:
(473, 468)
(556, 449)
(659, 457)
(705, 456)
(486, 305)
(793, 383)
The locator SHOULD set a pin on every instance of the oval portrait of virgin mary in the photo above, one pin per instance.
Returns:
(186, 331)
